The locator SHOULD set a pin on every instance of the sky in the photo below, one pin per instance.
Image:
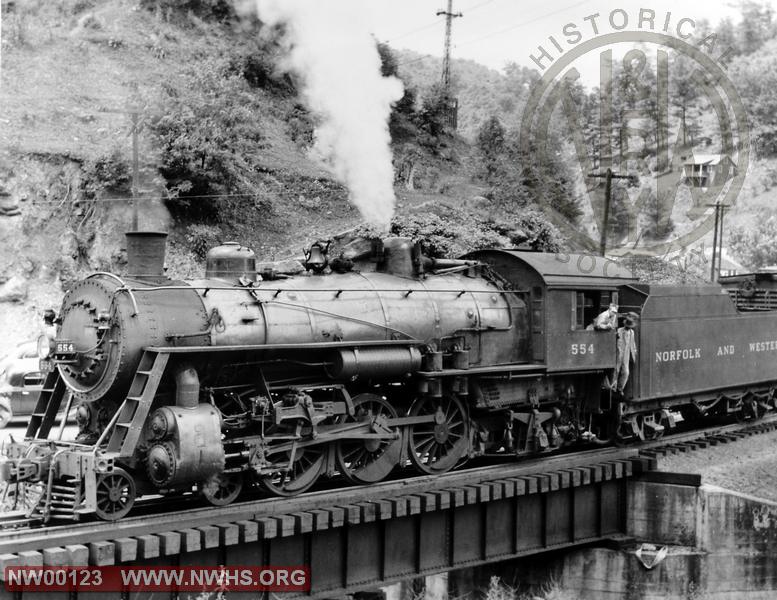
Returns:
(496, 32)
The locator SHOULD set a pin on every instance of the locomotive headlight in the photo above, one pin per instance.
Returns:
(45, 346)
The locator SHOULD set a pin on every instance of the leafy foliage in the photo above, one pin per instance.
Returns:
(299, 125)
(533, 230)
(218, 9)
(757, 26)
(659, 216)
(209, 140)
(402, 121)
(109, 171)
(491, 143)
(482, 92)
(756, 246)
(517, 180)
(652, 269)
(200, 238)
(257, 64)
(449, 231)
(432, 117)
(446, 236)
(755, 77)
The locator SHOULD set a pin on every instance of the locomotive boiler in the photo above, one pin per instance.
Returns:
(376, 359)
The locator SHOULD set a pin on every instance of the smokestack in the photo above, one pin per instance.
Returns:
(146, 255)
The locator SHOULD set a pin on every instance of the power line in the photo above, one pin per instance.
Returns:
(422, 28)
(499, 32)
(415, 60)
(516, 26)
(477, 6)
(437, 22)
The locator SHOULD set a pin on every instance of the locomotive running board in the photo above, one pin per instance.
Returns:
(307, 346)
(47, 406)
(125, 430)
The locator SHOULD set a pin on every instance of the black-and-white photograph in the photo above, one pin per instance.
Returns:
(388, 300)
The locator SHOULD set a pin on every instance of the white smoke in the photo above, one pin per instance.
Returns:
(336, 58)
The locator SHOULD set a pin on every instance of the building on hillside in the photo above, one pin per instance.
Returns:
(706, 170)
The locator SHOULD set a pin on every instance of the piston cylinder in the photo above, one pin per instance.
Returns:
(188, 448)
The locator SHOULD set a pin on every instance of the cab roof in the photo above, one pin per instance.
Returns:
(559, 270)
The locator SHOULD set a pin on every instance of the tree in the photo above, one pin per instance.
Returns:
(756, 245)
(726, 37)
(757, 25)
(217, 9)
(533, 230)
(403, 114)
(389, 67)
(432, 118)
(491, 143)
(548, 176)
(658, 210)
(209, 139)
(684, 91)
(755, 77)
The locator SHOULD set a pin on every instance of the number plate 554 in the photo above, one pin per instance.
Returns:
(582, 348)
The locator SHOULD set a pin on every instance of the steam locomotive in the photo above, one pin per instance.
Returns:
(377, 359)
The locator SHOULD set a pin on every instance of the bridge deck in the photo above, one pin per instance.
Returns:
(360, 538)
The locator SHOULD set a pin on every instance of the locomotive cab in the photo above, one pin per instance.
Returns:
(565, 292)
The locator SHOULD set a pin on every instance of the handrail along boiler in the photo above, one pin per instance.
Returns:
(377, 359)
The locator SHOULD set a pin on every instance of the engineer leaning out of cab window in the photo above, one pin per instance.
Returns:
(607, 320)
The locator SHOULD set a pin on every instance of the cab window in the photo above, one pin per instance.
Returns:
(587, 304)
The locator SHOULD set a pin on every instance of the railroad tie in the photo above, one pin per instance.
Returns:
(56, 557)
(169, 543)
(458, 497)
(321, 519)
(78, 555)
(229, 534)
(148, 546)
(268, 528)
(126, 549)
(101, 553)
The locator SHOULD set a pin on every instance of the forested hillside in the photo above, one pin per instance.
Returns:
(491, 106)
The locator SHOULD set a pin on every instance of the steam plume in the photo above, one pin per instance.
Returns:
(336, 58)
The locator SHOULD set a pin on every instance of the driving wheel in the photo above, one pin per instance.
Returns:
(437, 446)
(288, 480)
(369, 460)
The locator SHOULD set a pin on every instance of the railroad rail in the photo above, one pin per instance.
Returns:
(374, 534)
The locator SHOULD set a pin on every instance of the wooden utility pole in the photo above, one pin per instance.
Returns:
(135, 175)
(446, 59)
(717, 240)
(137, 124)
(608, 176)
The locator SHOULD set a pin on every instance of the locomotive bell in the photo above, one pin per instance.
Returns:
(316, 257)
(231, 262)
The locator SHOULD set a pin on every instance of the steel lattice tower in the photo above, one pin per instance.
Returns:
(446, 60)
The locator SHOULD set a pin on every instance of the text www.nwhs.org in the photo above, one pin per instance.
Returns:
(157, 579)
